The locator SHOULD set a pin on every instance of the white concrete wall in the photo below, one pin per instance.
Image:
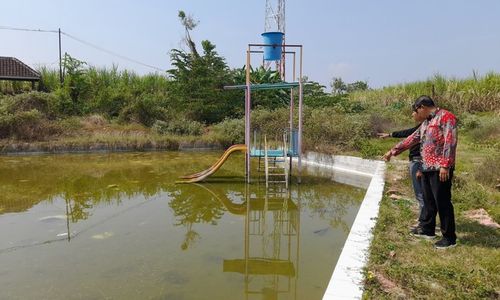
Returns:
(347, 278)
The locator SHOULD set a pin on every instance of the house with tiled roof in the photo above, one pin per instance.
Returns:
(13, 69)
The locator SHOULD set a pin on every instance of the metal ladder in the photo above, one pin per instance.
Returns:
(276, 168)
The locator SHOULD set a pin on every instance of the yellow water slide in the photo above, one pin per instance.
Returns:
(196, 177)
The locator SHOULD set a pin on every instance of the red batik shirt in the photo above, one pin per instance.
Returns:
(438, 141)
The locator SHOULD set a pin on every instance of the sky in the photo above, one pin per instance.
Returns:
(382, 42)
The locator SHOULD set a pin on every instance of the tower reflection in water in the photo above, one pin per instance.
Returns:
(269, 263)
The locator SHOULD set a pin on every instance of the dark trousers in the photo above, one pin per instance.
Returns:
(437, 200)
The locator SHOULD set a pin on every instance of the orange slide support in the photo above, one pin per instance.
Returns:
(196, 177)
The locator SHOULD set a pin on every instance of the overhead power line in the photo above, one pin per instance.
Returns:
(27, 29)
(112, 53)
(109, 51)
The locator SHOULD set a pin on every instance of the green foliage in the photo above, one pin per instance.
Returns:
(75, 83)
(229, 132)
(327, 125)
(271, 123)
(468, 194)
(145, 110)
(113, 93)
(315, 97)
(469, 121)
(26, 116)
(312, 88)
(339, 87)
(486, 131)
(49, 79)
(487, 172)
(369, 149)
(26, 125)
(178, 127)
(71, 124)
(266, 99)
(64, 105)
(476, 94)
(197, 85)
(189, 24)
(357, 86)
(14, 87)
(43, 102)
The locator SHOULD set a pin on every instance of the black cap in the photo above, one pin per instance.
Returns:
(423, 101)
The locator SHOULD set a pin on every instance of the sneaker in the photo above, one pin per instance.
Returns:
(418, 232)
(444, 244)
(413, 227)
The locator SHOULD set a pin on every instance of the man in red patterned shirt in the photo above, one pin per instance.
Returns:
(438, 143)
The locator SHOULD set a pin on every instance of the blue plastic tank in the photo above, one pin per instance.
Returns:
(275, 39)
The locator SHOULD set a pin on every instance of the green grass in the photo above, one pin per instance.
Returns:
(469, 271)
(417, 270)
(473, 94)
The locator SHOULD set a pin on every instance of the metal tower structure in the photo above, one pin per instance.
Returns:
(275, 21)
(275, 16)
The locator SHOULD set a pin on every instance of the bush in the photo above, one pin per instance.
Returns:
(145, 110)
(178, 127)
(380, 123)
(271, 123)
(63, 104)
(26, 116)
(468, 121)
(26, 125)
(70, 125)
(229, 132)
(488, 131)
(327, 126)
(110, 101)
(42, 102)
(49, 79)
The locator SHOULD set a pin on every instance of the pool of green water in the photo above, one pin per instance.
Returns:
(116, 226)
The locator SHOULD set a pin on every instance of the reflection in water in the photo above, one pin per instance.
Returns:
(82, 182)
(271, 241)
(128, 202)
(191, 207)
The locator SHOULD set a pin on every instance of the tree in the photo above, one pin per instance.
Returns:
(75, 85)
(313, 88)
(357, 86)
(189, 24)
(269, 99)
(338, 86)
(198, 83)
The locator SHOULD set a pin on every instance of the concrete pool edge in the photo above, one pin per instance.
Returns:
(347, 278)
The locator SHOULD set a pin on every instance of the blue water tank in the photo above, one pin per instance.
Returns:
(274, 39)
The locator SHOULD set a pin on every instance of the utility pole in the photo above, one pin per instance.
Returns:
(60, 60)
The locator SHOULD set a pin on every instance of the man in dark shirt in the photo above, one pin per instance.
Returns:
(438, 144)
(415, 163)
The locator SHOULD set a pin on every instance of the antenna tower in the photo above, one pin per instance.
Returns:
(275, 21)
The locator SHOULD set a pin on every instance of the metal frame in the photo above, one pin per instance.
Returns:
(248, 103)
